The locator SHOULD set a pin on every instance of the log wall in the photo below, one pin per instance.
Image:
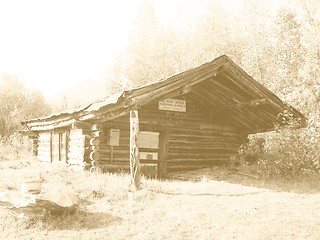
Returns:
(191, 139)
(115, 157)
(44, 147)
(76, 148)
(194, 141)
(187, 140)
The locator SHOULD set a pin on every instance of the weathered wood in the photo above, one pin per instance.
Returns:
(95, 127)
(76, 147)
(94, 141)
(111, 153)
(134, 150)
(163, 153)
(95, 148)
(80, 125)
(95, 134)
(115, 167)
(94, 156)
(191, 138)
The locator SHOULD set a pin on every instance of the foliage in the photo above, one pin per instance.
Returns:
(14, 147)
(288, 152)
(18, 103)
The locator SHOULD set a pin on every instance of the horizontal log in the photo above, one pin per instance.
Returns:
(115, 152)
(119, 167)
(199, 155)
(115, 160)
(200, 147)
(205, 142)
(122, 143)
(185, 162)
(172, 169)
(204, 152)
(146, 161)
(104, 147)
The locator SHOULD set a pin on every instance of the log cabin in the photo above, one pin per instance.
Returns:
(194, 119)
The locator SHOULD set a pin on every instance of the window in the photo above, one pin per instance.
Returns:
(149, 140)
(149, 145)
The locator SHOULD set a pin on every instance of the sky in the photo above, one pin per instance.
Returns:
(52, 45)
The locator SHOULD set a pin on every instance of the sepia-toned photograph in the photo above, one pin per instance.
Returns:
(160, 119)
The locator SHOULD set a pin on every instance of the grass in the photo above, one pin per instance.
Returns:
(224, 207)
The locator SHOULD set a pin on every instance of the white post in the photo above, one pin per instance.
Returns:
(134, 150)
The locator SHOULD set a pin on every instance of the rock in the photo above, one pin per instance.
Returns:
(58, 203)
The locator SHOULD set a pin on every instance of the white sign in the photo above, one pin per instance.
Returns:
(175, 105)
(113, 137)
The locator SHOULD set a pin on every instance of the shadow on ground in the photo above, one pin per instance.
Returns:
(81, 220)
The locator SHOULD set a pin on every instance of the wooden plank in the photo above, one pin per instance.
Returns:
(252, 103)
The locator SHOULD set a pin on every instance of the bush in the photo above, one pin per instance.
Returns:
(287, 152)
(14, 147)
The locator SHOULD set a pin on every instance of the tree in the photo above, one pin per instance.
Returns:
(141, 52)
(290, 51)
(18, 103)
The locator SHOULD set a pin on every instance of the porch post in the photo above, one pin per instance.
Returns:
(134, 150)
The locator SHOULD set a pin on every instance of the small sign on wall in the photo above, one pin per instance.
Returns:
(113, 137)
(175, 105)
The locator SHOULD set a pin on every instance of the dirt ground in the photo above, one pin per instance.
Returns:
(248, 176)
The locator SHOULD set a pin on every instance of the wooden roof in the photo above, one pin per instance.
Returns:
(220, 85)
